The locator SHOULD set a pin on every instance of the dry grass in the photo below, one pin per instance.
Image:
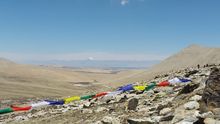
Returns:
(30, 81)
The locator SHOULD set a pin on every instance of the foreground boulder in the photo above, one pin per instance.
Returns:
(132, 104)
(191, 105)
(211, 94)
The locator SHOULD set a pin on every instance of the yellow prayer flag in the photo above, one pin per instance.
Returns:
(70, 99)
(139, 87)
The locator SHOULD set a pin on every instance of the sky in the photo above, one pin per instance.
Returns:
(105, 29)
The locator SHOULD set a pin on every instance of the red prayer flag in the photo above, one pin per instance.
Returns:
(100, 94)
(26, 108)
(163, 84)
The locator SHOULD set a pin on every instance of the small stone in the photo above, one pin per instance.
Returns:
(101, 109)
(161, 106)
(21, 118)
(189, 88)
(65, 110)
(140, 121)
(98, 122)
(143, 109)
(188, 120)
(132, 104)
(168, 117)
(196, 98)
(132, 95)
(216, 111)
(151, 113)
(165, 111)
(89, 111)
(29, 115)
(170, 99)
(156, 119)
(211, 121)
(106, 99)
(40, 113)
(191, 105)
(110, 120)
(86, 105)
(207, 115)
(121, 98)
(152, 109)
(150, 93)
(203, 115)
(188, 74)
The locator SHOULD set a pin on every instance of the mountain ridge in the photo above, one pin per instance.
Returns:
(188, 57)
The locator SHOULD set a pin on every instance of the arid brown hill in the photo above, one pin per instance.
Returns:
(188, 57)
(18, 80)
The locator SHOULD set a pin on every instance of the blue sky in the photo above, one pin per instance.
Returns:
(105, 29)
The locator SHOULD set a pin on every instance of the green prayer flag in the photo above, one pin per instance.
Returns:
(86, 97)
(150, 86)
(6, 110)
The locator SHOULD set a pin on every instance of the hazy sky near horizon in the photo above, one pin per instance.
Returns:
(105, 29)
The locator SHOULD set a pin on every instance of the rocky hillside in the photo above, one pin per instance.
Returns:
(186, 58)
(182, 103)
(189, 57)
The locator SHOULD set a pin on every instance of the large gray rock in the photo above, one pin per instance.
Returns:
(132, 104)
(182, 115)
(191, 105)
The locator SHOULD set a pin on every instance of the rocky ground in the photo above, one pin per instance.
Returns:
(179, 104)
